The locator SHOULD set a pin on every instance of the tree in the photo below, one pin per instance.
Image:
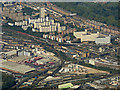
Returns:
(7, 80)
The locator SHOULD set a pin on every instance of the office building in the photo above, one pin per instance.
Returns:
(103, 40)
(89, 37)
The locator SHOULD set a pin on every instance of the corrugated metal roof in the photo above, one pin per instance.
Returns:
(16, 67)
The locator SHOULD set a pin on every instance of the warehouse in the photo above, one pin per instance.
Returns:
(19, 59)
(17, 68)
(42, 61)
(10, 53)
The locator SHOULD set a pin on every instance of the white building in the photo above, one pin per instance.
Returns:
(38, 24)
(31, 21)
(25, 23)
(92, 61)
(23, 53)
(45, 25)
(20, 23)
(24, 27)
(89, 37)
(103, 40)
(35, 30)
(10, 24)
(78, 35)
(42, 61)
(53, 28)
(44, 28)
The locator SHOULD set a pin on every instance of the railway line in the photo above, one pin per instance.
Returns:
(41, 40)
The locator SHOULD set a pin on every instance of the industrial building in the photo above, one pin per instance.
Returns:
(9, 54)
(19, 59)
(17, 68)
(105, 63)
(79, 69)
(103, 40)
(43, 61)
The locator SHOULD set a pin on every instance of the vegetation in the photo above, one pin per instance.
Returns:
(28, 10)
(102, 12)
(61, 23)
(114, 42)
(7, 80)
(70, 35)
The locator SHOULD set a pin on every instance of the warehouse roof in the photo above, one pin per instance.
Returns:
(16, 67)
(20, 58)
(10, 52)
(42, 61)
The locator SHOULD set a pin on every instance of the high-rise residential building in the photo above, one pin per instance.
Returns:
(42, 12)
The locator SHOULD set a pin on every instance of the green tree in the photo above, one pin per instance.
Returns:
(7, 80)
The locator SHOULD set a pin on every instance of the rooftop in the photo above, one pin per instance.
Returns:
(20, 58)
(11, 66)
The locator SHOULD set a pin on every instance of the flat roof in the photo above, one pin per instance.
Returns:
(10, 52)
(12, 66)
(43, 60)
(20, 58)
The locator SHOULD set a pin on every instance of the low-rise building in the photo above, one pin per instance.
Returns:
(17, 68)
(78, 35)
(89, 37)
(19, 59)
(42, 61)
(24, 27)
(105, 63)
(92, 61)
(20, 23)
(103, 40)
